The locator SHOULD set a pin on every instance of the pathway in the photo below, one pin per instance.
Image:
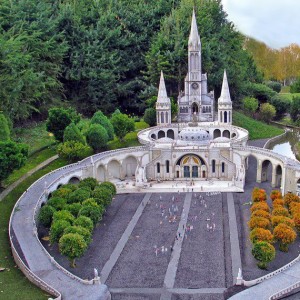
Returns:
(29, 173)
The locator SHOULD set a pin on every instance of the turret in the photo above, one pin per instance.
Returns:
(224, 103)
(163, 104)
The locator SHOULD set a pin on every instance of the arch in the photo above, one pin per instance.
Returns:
(101, 173)
(229, 117)
(233, 135)
(213, 166)
(114, 169)
(153, 136)
(130, 164)
(161, 134)
(225, 117)
(158, 168)
(170, 134)
(278, 176)
(251, 173)
(221, 116)
(190, 166)
(223, 167)
(167, 117)
(167, 166)
(226, 133)
(217, 133)
(74, 180)
(266, 170)
(162, 119)
(157, 118)
(195, 108)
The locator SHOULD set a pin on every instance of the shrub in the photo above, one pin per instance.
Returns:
(62, 193)
(280, 211)
(275, 194)
(90, 202)
(150, 116)
(73, 151)
(69, 186)
(267, 112)
(260, 222)
(295, 87)
(261, 235)
(296, 219)
(110, 186)
(122, 125)
(264, 252)
(63, 215)
(101, 119)
(276, 220)
(285, 235)
(259, 195)
(260, 206)
(250, 105)
(92, 212)
(46, 215)
(57, 203)
(294, 208)
(97, 137)
(73, 246)
(274, 85)
(73, 208)
(85, 222)
(281, 104)
(278, 202)
(89, 182)
(261, 213)
(102, 196)
(72, 133)
(4, 128)
(289, 198)
(78, 196)
(80, 230)
(57, 230)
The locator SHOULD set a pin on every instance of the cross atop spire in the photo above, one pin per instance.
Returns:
(225, 94)
(194, 39)
(162, 91)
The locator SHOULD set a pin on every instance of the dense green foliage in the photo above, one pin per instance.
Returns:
(97, 137)
(150, 116)
(267, 112)
(72, 133)
(281, 104)
(295, 87)
(101, 119)
(295, 108)
(274, 85)
(4, 128)
(73, 151)
(250, 105)
(122, 125)
(12, 156)
(264, 253)
(46, 215)
(259, 91)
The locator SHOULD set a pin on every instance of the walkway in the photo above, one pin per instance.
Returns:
(29, 173)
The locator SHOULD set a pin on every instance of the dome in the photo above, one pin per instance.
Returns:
(194, 134)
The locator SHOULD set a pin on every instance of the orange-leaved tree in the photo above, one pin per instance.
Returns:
(261, 234)
(285, 235)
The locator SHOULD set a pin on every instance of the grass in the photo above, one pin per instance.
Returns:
(257, 129)
(35, 135)
(285, 89)
(13, 284)
(34, 160)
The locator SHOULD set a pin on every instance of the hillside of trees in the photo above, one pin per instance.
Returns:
(280, 65)
(105, 54)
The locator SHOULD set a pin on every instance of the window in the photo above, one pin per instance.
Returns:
(168, 166)
(223, 167)
(158, 167)
(213, 166)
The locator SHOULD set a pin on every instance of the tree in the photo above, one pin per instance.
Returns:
(101, 119)
(73, 246)
(78, 196)
(57, 203)
(110, 186)
(4, 129)
(264, 253)
(261, 235)
(285, 235)
(260, 222)
(289, 198)
(280, 211)
(58, 119)
(57, 230)
(261, 213)
(72, 133)
(12, 156)
(122, 125)
(88, 182)
(275, 194)
(150, 116)
(45, 215)
(281, 104)
(267, 112)
(276, 220)
(250, 105)
(80, 230)
(295, 108)
(274, 85)
(102, 196)
(63, 215)
(73, 208)
(97, 137)
(295, 87)
(92, 212)
(85, 222)
(259, 195)
(260, 206)
(74, 151)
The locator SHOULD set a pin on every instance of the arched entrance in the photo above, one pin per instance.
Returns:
(195, 108)
(251, 173)
(225, 117)
(114, 169)
(170, 134)
(153, 136)
(191, 166)
(129, 166)
(226, 134)
(278, 176)
(161, 134)
(74, 180)
(217, 133)
(101, 173)
(266, 170)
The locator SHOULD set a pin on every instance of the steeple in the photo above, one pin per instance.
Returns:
(225, 94)
(162, 96)
(194, 39)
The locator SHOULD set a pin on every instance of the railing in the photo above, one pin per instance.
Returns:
(285, 292)
(270, 275)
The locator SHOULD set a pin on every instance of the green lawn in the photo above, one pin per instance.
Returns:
(13, 284)
(257, 129)
(34, 160)
(35, 135)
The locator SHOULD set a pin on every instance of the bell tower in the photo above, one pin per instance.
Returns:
(225, 104)
(163, 104)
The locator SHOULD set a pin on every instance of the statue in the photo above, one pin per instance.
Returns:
(95, 273)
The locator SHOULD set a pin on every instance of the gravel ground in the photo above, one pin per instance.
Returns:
(138, 265)
(198, 266)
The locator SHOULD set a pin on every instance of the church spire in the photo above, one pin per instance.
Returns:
(194, 39)
(162, 91)
(225, 94)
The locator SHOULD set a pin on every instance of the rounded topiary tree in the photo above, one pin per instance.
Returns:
(57, 230)
(296, 219)
(72, 133)
(275, 194)
(89, 182)
(63, 215)
(79, 195)
(92, 212)
(73, 208)
(264, 252)
(80, 230)
(46, 215)
(90, 202)
(280, 211)
(101, 119)
(294, 208)
(150, 116)
(260, 222)
(260, 206)
(102, 196)
(57, 202)
(285, 235)
(110, 186)
(289, 198)
(97, 137)
(122, 125)
(85, 222)
(62, 192)
(278, 202)
(74, 151)
(73, 246)
(276, 220)
(261, 213)
(259, 195)
(262, 235)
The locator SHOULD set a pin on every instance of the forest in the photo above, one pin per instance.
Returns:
(99, 55)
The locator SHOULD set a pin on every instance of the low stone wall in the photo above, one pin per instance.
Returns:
(292, 289)
(275, 138)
